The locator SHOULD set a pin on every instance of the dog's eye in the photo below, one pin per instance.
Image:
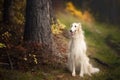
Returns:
(75, 25)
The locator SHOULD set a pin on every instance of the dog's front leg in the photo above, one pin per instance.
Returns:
(73, 69)
(81, 69)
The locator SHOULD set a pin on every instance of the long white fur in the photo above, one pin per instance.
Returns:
(77, 58)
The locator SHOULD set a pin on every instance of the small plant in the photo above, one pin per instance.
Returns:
(2, 45)
(58, 27)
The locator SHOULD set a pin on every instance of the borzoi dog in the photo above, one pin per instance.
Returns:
(77, 58)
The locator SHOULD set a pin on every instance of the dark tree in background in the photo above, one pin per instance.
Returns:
(6, 11)
(106, 10)
(103, 10)
(37, 26)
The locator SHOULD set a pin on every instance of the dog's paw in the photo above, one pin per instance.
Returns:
(81, 75)
(95, 70)
(73, 74)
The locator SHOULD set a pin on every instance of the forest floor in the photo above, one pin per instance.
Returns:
(103, 43)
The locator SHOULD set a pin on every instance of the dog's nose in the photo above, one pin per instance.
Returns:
(70, 30)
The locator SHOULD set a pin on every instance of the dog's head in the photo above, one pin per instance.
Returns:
(76, 28)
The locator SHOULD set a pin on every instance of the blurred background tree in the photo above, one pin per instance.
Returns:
(6, 11)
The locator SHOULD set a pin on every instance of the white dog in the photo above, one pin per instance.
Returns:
(77, 58)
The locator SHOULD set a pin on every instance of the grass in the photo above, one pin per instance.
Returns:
(96, 35)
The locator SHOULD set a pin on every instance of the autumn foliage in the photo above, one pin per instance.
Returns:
(84, 16)
(58, 27)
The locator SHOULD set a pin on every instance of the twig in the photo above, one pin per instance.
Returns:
(10, 61)
(100, 62)
(1, 63)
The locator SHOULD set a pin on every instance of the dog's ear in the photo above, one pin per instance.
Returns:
(80, 25)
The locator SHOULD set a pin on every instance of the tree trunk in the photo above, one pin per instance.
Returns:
(37, 27)
(6, 11)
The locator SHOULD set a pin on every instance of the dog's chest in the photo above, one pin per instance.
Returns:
(77, 43)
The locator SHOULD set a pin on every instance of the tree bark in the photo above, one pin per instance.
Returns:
(37, 28)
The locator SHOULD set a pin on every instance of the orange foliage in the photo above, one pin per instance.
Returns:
(86, 16)
(71, 8)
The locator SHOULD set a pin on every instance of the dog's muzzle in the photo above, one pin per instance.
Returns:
(72, 32)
